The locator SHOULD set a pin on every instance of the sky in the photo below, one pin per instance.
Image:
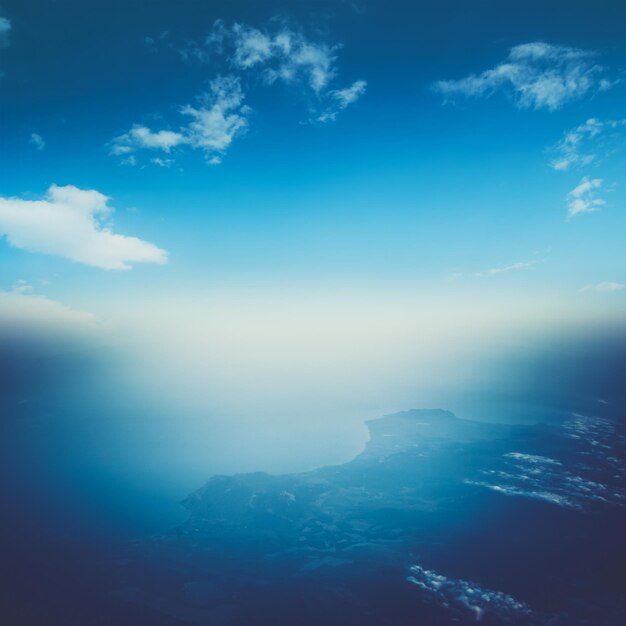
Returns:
(394, 149)
(265, 222)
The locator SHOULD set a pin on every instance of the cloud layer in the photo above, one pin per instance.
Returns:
(537, 75)
(569, 482)
(71, 223)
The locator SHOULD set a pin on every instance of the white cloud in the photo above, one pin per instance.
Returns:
(141, 137)
(509, 490)
(281, 54)
(251, 45)
(539, 76)
(582, 199)
(162, 162)
(316, 61)
(130, 160)
(463, 598)
(568, 148)
(71, 223)
(221, 117)
(342, 98)
(269, 56)
(284, 55)
(520, 265)
(605, 287)
(37, 141)
(5, 30)
(581, 145)
(560, 482)
(540, 257)
(532, 458)
(350, 94)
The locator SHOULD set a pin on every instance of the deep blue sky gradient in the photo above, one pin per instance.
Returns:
(401, 188)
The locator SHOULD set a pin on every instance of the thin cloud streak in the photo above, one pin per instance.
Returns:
(536, 75)
(605, 287)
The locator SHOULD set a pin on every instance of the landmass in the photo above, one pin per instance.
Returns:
(438, 521)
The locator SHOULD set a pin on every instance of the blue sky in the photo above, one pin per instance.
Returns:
(408, 185)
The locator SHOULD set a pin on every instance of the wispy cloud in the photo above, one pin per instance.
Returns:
(250, 55)
(520, 265)
(605, 287)
(72, 223)
(284, 55)
(583, 198)
(217, 118)
(587, 143)
(563, 481)
(37, 141)
(465, 599)
(281, 54)
(538, 75)
(162, 162)
(141, 137)
(535, 494)
(501, 269)
(533, 459)
(220, 117)
(5, 31)
(261, 57)
(340, 99)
